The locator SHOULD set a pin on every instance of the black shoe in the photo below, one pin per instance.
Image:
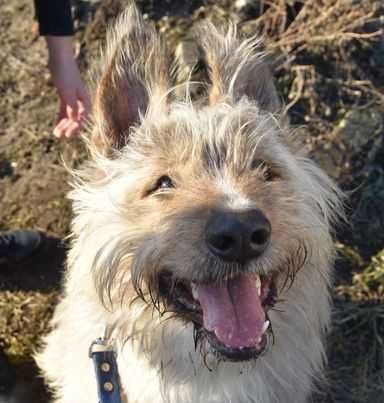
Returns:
(7, 374)
(18, 245)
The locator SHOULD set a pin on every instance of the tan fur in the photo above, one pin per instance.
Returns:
(123, 235)
(134, 71)
(237, 67)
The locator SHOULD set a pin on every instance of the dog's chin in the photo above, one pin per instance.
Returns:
(235, 354)
(230, 319)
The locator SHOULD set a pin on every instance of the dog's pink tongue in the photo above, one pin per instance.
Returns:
(233, 311)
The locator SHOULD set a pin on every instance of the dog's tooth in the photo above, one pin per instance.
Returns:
(194, 291)
(258, 284)
(265, 326)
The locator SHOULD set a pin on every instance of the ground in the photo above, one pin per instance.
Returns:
(328, 57)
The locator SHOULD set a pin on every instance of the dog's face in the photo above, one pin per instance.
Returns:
(206, 213)
(221, 220)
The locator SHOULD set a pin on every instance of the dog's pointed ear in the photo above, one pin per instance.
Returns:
(134, 80)
(237, 68)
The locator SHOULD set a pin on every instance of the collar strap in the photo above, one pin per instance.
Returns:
(107, 376)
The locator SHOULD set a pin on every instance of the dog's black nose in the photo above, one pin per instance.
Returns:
(238, 236)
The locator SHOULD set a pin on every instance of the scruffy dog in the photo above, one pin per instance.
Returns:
(201, 237)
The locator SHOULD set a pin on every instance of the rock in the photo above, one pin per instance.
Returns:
(359, 136)
(330, 158)
(247, 8)
(359, 127)
(350, 151)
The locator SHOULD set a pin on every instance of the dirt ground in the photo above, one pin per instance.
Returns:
(328, 57)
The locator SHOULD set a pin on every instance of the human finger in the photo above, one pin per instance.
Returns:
(60, 129)
(72, 129)
(82, 114)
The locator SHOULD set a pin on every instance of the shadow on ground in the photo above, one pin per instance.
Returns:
(41, 272)
(30, 290)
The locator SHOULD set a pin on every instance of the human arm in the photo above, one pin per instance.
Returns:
(74, 98)
(55, 23)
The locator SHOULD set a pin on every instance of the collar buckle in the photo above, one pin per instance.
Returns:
(107, 377)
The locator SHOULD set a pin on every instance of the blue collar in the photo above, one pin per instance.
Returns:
(107, 376)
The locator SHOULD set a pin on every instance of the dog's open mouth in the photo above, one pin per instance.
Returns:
(232, 316)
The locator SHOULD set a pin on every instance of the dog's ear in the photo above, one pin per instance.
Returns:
(237, 67)
(134, 80)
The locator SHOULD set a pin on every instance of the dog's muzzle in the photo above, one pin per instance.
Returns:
(230, 316)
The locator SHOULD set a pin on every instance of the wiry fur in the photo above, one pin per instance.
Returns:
(123, 235)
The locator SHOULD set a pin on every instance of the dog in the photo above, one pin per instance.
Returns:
(202, 235)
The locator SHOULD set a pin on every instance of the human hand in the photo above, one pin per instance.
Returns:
(75, 103)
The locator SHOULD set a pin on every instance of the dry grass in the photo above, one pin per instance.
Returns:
(317, 43)
(356, 373)
(367, 285)
(24, 318)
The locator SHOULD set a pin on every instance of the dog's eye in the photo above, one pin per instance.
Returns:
(164, 182)
(269, 174)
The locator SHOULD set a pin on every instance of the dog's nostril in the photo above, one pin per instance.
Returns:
(222, 242)
(260, 236)
(238, 236)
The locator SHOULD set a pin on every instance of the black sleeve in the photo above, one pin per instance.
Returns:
(54, 17)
